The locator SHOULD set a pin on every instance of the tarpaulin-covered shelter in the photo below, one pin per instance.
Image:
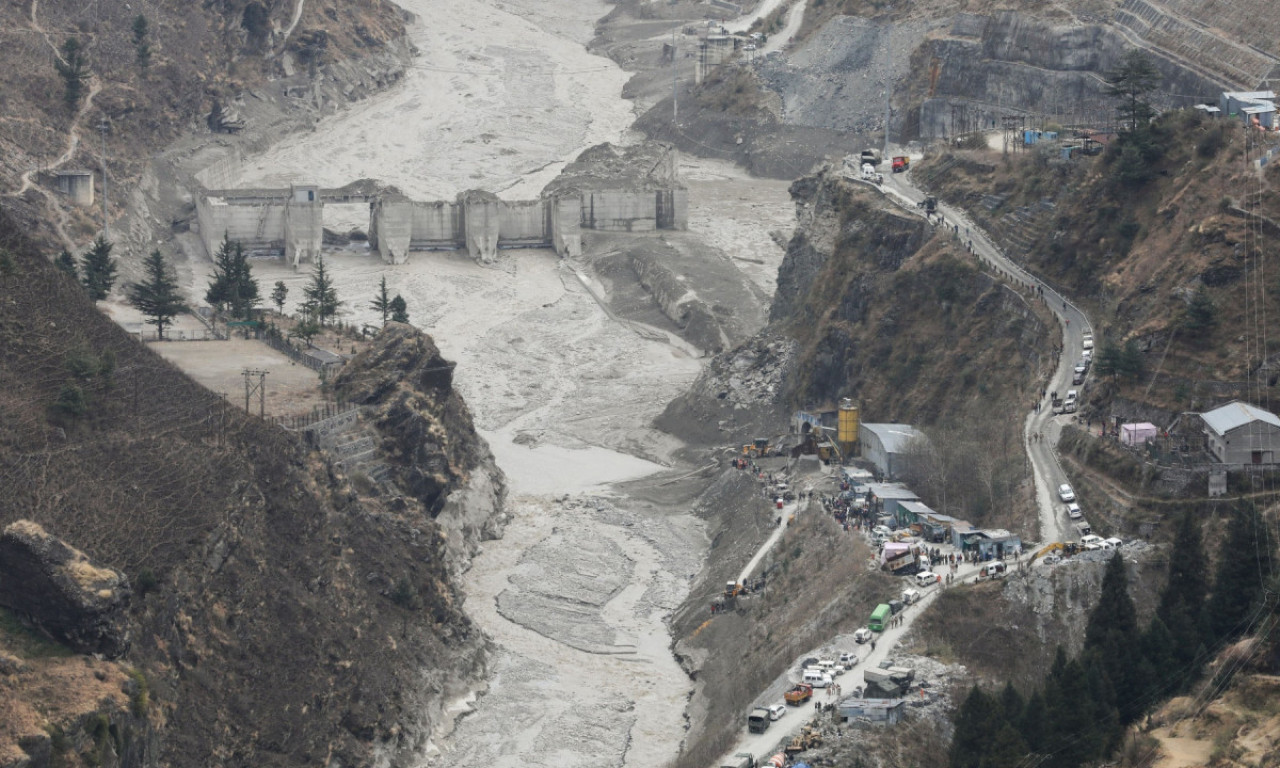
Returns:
(1137, 434)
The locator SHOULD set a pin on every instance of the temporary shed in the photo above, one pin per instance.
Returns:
(1137, 434)
(879, 711)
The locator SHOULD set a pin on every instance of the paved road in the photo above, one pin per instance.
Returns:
(763, 745)
(1048, 474)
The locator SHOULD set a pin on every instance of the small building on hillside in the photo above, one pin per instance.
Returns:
(884, 498)
(990, 544)
(1239, 433)
(873, 711)
(886, 445)
(1258, 107)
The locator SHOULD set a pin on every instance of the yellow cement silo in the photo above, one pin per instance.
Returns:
(847, 426)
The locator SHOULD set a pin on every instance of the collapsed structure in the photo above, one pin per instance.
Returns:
(632, 189)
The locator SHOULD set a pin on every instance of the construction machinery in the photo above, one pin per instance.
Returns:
(758, 448)
(732, 589)
(870, 157)
(887, 682)
(1067, 548)
(799, 694)
(807, 738)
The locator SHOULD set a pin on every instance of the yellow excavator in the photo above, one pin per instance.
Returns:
(1067, 548)
(758, 448)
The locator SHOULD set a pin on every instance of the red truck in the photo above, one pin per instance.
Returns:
(901, 163)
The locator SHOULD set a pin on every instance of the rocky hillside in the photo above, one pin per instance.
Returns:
(1165, 246)
(278, 614)
(203, 67)
(873, 304)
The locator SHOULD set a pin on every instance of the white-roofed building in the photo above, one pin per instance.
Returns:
(1239, 433)
(885, 445)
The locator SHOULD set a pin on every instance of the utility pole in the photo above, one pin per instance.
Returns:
(675, 68)
(102, 162)
(258, 387)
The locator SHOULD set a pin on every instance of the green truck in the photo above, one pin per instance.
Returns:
(879, 617)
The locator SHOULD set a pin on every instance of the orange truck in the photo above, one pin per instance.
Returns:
(901, 163)
(799, 694)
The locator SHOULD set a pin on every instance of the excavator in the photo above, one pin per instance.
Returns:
(758, 448)
(808, 738)
(1067, 548)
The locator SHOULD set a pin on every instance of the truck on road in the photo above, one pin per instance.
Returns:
(901, 163)
(887, 682)
(758, 721)
(741, 760)
(800, 694)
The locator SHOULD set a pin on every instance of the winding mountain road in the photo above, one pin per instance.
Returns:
(1041, 428)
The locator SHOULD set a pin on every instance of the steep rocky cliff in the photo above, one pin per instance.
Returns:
(279, 617)
(428, 438)
(864, 289)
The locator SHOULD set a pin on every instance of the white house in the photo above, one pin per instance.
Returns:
(1239, 433)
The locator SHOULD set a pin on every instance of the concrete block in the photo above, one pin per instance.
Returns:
(566, 232)
(390, 229)
(303, 231)
(481, 222)
(77, 185)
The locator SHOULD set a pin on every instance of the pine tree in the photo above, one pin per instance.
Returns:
(1181, 611)
(1007, 748)
(1071, 736)
(1108, 361)
(1131, 80)
(976, 724)
(1200, 315)
(232, 288)
(141, 48)
(67, 263)
(399, 310)
(1011, 703)
(157, 297)
(1245, 567)
(98, 269)
(321, 295)
(1033, 724)
(278, 295)
(382, 302)
(73, 68)
(1113, 638)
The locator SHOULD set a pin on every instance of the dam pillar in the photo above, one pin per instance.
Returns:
(390, 229)
(566, 229)
(303, 225)
(481, 213)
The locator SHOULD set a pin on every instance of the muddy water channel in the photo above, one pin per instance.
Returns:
(577, 593)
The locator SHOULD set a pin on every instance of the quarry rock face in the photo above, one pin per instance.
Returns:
(80, 604)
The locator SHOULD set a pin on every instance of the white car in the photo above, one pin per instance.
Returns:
(776, 711)
(926, 579)
(1112, 543)
(1065, 493)
(1052, 559)
(1073, 511)
(863, 635)
(848, 659)
(1087, 342)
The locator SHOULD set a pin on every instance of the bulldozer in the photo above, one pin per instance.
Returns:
(758, 448)
(732, 589)
(808, 738)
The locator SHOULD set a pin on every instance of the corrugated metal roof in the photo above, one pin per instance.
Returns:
(894, 437)
(916, 507)
(1235, 414)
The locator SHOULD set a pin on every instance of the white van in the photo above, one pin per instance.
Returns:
(817, 678)
(926, 579)
(1091, 542)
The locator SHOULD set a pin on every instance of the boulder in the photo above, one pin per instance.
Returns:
(78, 603)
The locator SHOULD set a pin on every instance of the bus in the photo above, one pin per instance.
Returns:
(879, 617)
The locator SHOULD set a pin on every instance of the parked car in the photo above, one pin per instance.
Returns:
(776, 711)
(1065, 493)
(1091, 541)
(863, 635)
(1073, 511)
(1087, 341)
(1051, 559)
(848, 660)
(926, 579)
(1112, 543)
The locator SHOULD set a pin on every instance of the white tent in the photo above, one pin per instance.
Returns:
(1137, 434)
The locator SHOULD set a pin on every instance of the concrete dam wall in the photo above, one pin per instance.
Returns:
(607, 194)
